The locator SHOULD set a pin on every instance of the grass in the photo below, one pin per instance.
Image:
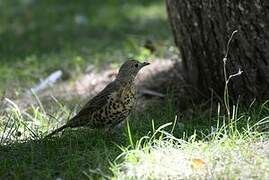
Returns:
(225, 155)
(89, 154)
(231, 150)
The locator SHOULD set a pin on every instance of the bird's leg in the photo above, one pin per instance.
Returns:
(107, 130)
(120, 125)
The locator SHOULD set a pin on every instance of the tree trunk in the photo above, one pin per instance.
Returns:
(201, 30)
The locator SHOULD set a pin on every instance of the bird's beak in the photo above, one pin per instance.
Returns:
(145, 64)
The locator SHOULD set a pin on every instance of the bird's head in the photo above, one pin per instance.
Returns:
(129, 70)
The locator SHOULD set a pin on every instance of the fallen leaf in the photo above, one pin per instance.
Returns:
(197, 163)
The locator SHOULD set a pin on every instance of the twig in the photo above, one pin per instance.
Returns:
(152, 93)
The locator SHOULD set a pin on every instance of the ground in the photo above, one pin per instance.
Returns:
(87, 41)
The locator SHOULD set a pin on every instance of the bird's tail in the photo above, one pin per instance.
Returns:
(57, 130)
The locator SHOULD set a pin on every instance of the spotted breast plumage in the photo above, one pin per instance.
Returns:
(113, 104)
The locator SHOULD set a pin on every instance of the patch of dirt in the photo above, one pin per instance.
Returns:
(152, 81)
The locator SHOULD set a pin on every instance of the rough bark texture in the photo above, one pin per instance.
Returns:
(201, 30)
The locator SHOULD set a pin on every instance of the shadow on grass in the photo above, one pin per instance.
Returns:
(70, 156)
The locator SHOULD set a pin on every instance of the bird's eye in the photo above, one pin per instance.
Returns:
(136, 65)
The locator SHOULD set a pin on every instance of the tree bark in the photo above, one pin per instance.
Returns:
(201, 30)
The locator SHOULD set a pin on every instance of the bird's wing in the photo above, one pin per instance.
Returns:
(101, 98)
(96, 102)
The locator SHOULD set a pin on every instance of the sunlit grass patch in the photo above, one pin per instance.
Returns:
(19, 125)
(224, 155)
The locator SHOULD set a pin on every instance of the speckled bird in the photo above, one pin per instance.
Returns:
(112, 105)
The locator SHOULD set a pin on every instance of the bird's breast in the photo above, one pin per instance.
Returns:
(128, 96)
(123, 102)
(118, 107)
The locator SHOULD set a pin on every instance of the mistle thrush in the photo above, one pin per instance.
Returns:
(112, 105)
